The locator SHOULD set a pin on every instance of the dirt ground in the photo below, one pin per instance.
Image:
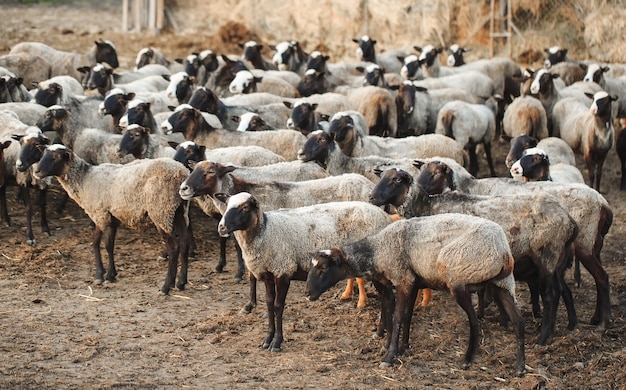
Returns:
(57, 330)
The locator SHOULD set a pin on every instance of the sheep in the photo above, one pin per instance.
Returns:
(27, 112)
(251, 122)
(57, 90)
(194, 127)
(525, 115)
(300, 231)
(469, 124)
(540, 236)
(322, 148)
(102, 78)
(32, 68)
(620, 147)
(589, 132)
(69, 122)
(556, 54)
(180, 88)
(139, 113)
(4, 211)
(245, 156)
(378, 107)
(535, 165)
(389, 59)
(613, 86)
(290, 56)
(304, 117)
(354, 143)
(66, 63)
(252, 54)
(557, 150)
(418, 107)
(138, 142)
(150, 56)
(20, 160)
(275, 195)
(474, 82)
(451, 252)
(142, 192)
(569, 72)
(587, 207)
(246, 81)
(456, 56)
(313, 82)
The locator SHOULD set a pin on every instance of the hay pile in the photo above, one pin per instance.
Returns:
(605, 34)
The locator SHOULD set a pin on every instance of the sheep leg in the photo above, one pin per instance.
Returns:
(592, 168)
(219, 268)
(43, 195)
(95, 245)
(489, 160)
(362, 293)
(464, 299)
(270, 297)
(62, 203)
(3, 205)
(182, 231)
(282, 287)
(252, 304)
(402, 310)
(241, 266)
(473, 159)
(568, 300)
(550, 298)
(507, 303)
(387, 303)
(622, 184)
(602, 315)
(110, 244)
(408, 314)
(347, 294)
(28, 202)
(172, 262)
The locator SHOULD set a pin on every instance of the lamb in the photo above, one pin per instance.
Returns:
(194, 127)
(451, 252)
(469, 124)
(300, 231)
(589, 132)
(138, 142)
(587, 207)
(540, 235)
(134, 194)
(525, 115)
(66, 63)
(535, 165)
(556, 149)
(354, 143)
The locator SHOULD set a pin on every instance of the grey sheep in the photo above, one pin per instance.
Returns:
(299, 232)
(452, 252)
(144, 192)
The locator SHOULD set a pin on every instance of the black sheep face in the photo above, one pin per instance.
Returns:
(392, 188)
(327, 268)
(54, 161)
(106, 53)
(49, 96)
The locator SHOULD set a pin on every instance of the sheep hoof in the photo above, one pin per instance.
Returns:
(384, 365)
(275, 349)
(219, 269)
(31, 242)
(98, 282)
(161, 258)
(465, 365)
(521, 372)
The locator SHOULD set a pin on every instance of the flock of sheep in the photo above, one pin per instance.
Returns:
(327, 171)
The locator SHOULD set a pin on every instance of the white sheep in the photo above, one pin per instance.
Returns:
(535, 165)
(450, 252)
(195, 128)
(587, 130)
(131, 195)
(476, 83)
(300, 231)
(354, 143)
(469, 125)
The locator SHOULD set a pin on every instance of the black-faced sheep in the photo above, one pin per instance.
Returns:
(450, 252)
(132, 195)
(540, 237)
(535, 165)
(300, 231)
(557, 150)
(587, 207)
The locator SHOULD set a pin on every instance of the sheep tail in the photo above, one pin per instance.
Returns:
(446, 123)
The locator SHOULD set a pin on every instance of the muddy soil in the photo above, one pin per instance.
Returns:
(58, 330)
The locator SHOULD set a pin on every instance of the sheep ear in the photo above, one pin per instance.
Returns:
(506, 138)
(605, 69)
(418, 48)
(179, 60)
(394, 87)
(589, 95)
(614, 97)
(173, 144)
(171, 108)
(192, 164)
(314, 106)
(400, 58)
(324, 117)
(583, 66)
(17, 137)
(356, 40)
(166, 77)
(202, 149)
(287, 104)
(42, 148)
(235, 119)
(418, 164)
(222, 197)
(5, 144)
(421, 89)
(377, 171)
